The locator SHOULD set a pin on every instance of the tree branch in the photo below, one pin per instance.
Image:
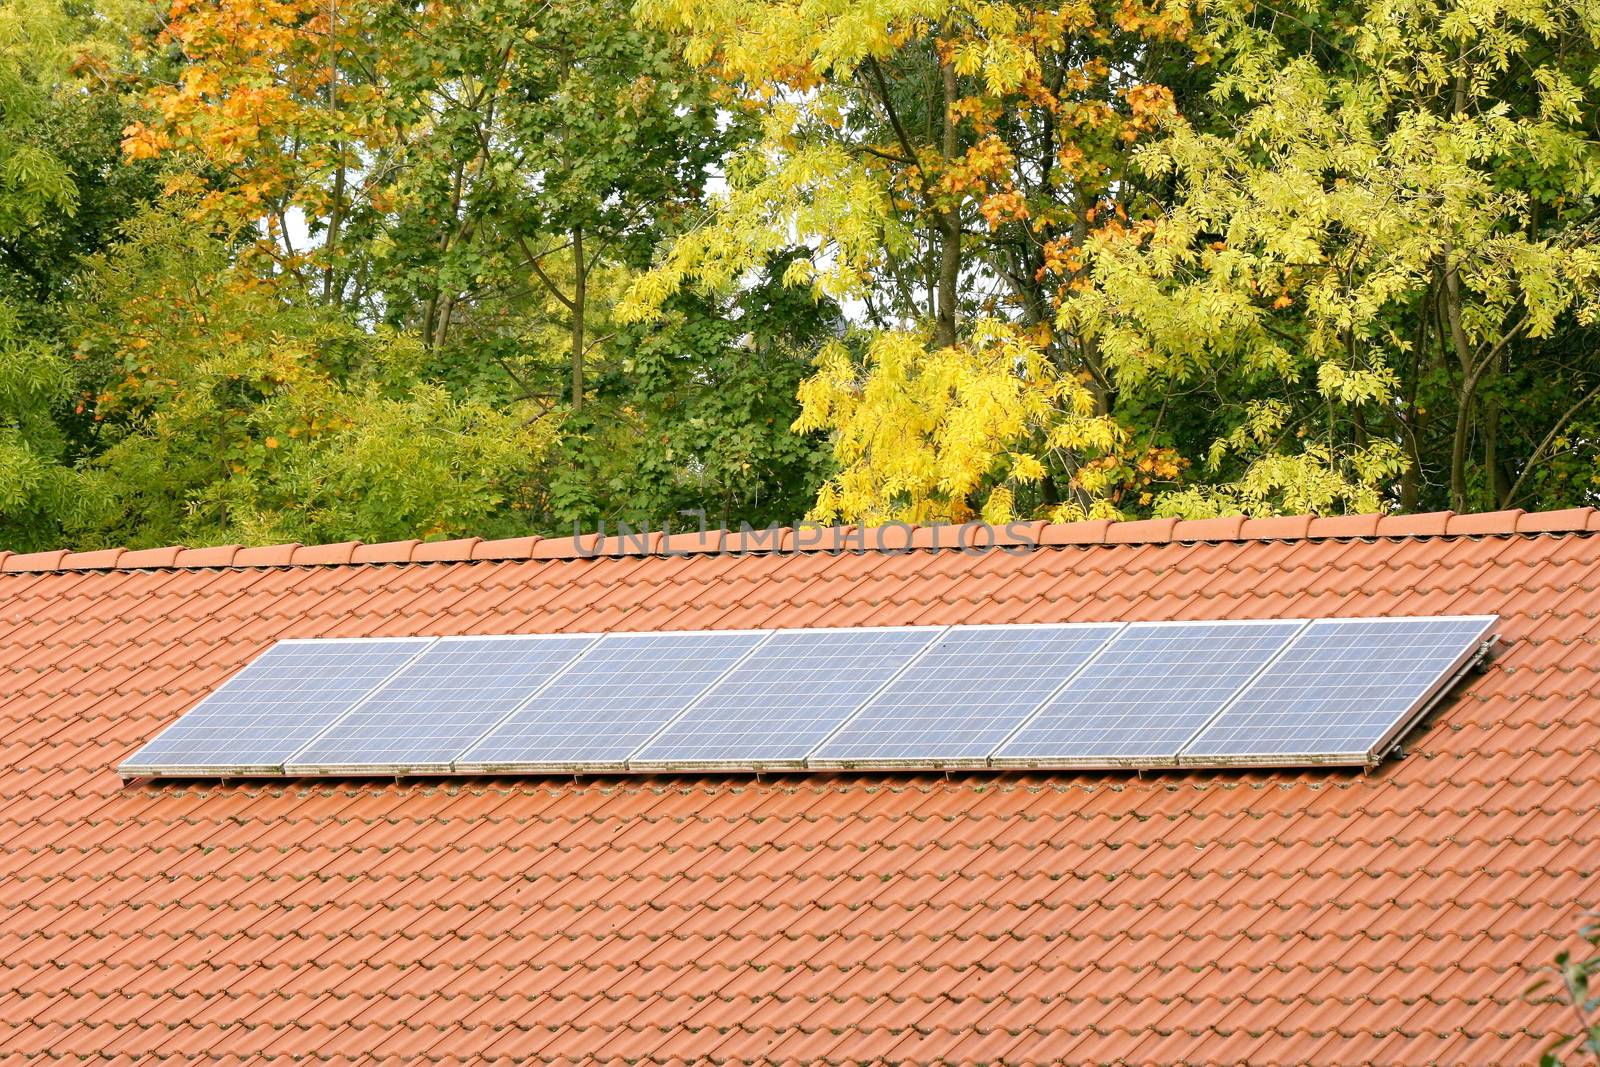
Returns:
(894, 118)
(1544, 445)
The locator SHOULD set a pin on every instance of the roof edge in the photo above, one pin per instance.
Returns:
(892, 538)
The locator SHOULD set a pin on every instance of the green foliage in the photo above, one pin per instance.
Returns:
(697, 416)
(61, 120)
(377, 269)
(35, 51)
(230, 414)
(39, 492)
(61, 190)
(1357, 265)
(1577, 975)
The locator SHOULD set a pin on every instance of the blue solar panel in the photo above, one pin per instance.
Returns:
(262, 715)
(441, 703)
(1342, 692)
(791, 693)
(1146, 694)
(965, 696)
(1284, 692)
(611, 701)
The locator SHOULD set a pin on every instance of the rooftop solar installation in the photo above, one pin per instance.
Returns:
(258, 718)
(1146, 694)
(1342, 692)
(611, 702)
(790, 694)
(964, 696)
(443, 701)
(1289, 692)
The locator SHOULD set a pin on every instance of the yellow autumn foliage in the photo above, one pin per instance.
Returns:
(941, 435)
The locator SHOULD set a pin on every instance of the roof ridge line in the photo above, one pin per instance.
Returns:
(890, 539)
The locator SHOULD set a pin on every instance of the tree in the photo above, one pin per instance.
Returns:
(40, 492)
(485, 177)
(696, 417)
(230, 413)
(460, 168)
(62, 111)
(944, 165)
(1363, 272)
(35, 51)
(61, 196)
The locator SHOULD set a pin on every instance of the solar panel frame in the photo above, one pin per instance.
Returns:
(465, 765)
(639, 761)
(816, 761)
(1475, 650)
(1128, 759)
(298, 765)
(133, 767)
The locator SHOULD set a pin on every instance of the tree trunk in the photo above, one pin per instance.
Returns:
(1410, 418)
(1451, 296)
(441, 327)
(949, 228)
(580, 284)
(1493, 470)
(336, 211)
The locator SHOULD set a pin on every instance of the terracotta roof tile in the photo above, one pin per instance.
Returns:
(1289, 527)
(1555, 521)
(1344, 526)
(385, 552)
(33, 561)
(263, 556)
(896, 537)
(1430, 524)
(315, 554)
(219, 556)
(509, 548)
(1147, 532)
(87, 561)
(1488, 522)
(1226, 528)
(445, 550)
(1220, 917)
(1076, 533)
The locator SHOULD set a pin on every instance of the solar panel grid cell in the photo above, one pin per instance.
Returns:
(963, 697)
(258, 718)
(1146, 694)
(1340, 692)
(791, 693)
(611, 701)
(442, 702)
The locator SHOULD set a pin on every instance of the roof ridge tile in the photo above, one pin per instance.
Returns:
(217, 556)
(1558, 521)
(1277, 528)
(1424, 524)
(889, 538)
(148, 558)
(385, 551)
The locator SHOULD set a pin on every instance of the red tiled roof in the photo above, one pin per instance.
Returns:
(1273, 917)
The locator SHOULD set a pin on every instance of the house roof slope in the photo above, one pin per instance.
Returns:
(1201, 917)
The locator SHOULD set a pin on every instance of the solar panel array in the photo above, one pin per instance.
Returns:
(1281, 692)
